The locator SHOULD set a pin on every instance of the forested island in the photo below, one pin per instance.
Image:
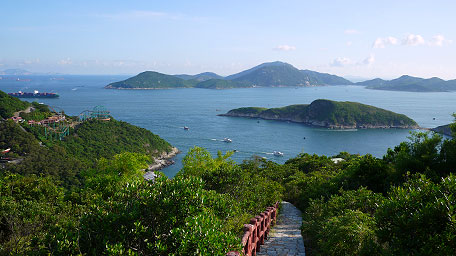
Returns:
(330, 114)
(85, 194)
(276, 74)
(272, 74)
(411, 84)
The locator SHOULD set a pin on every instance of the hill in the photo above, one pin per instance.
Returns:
(222, 84)
(444, 129)
(324, 78)
(283, 74)
(411, 84)
(9, 105)
(330, 114)
(200, 77)
(264, 75)
(152, 80)
(15, 72)
(34, 152)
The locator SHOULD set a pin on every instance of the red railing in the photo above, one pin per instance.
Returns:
(257, 231)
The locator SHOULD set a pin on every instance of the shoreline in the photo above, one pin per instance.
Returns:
(319, 124)
(161, 162)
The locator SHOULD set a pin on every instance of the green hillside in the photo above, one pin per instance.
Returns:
(200, 77)
(331, 114)
(95, 139)
(9, 105)
(411, 84)
(152, 80)
(221, 84)
(264, 75)
(324, 78)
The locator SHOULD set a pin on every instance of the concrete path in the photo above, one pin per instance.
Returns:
(285, 237)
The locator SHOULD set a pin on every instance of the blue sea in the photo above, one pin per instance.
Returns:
(166, 112)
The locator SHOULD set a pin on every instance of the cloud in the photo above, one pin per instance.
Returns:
(66, 61)
(383, 42)
(285, 47)
(351, 32)
(413, 40)
(439, 40)
(340, 62)
(344, 62)
(368, 61)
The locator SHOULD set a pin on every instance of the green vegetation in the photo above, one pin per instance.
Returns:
(221, 84)
(9, 105)
(86, 196)
(283, 74)
(264, 75)
(330, 114)
(150, 79)
(95, 139)
(200, 77)
(316, 78)
(411, 84)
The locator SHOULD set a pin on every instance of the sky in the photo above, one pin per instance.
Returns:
(364, 39)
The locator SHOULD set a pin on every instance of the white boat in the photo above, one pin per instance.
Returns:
(227, 140)
(186, 128)
(277, 153)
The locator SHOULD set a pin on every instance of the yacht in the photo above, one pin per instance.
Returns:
(277, 153)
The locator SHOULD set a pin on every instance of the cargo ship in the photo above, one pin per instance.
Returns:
(34, 94)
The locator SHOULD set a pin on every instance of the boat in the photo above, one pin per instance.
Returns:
(186, 128)
(277, 153)
(34, 94)
(227, 140)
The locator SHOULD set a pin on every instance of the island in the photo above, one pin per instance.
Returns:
(330, 114)
(271, 74)
(444, 129)
(411, 84)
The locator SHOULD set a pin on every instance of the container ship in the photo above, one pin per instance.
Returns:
(34, 94)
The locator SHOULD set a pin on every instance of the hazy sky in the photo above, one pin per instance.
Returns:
(350, 38)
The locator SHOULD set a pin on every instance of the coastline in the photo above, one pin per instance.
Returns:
(323, 124)
(161, 162)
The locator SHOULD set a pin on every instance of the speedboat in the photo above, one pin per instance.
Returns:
(186, 128)
(227, 140)
(277, 153)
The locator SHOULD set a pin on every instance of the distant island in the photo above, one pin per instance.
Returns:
(443, 129)
(330, 114)
(411, 84)
(272, 74)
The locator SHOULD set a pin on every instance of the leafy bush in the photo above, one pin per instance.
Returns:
(419, 217)
(344, 224)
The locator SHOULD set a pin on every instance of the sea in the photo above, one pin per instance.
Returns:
(166, 112)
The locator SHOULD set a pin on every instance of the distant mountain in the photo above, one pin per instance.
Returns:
(152, 80)
(444, 129)
(283, 74)
(324, 78)
(330, 114)
(411, 84)
(221, 84)
(265, 75)
(15, 72)
(200, 77)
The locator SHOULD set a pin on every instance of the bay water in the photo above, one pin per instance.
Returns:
(165, 113)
